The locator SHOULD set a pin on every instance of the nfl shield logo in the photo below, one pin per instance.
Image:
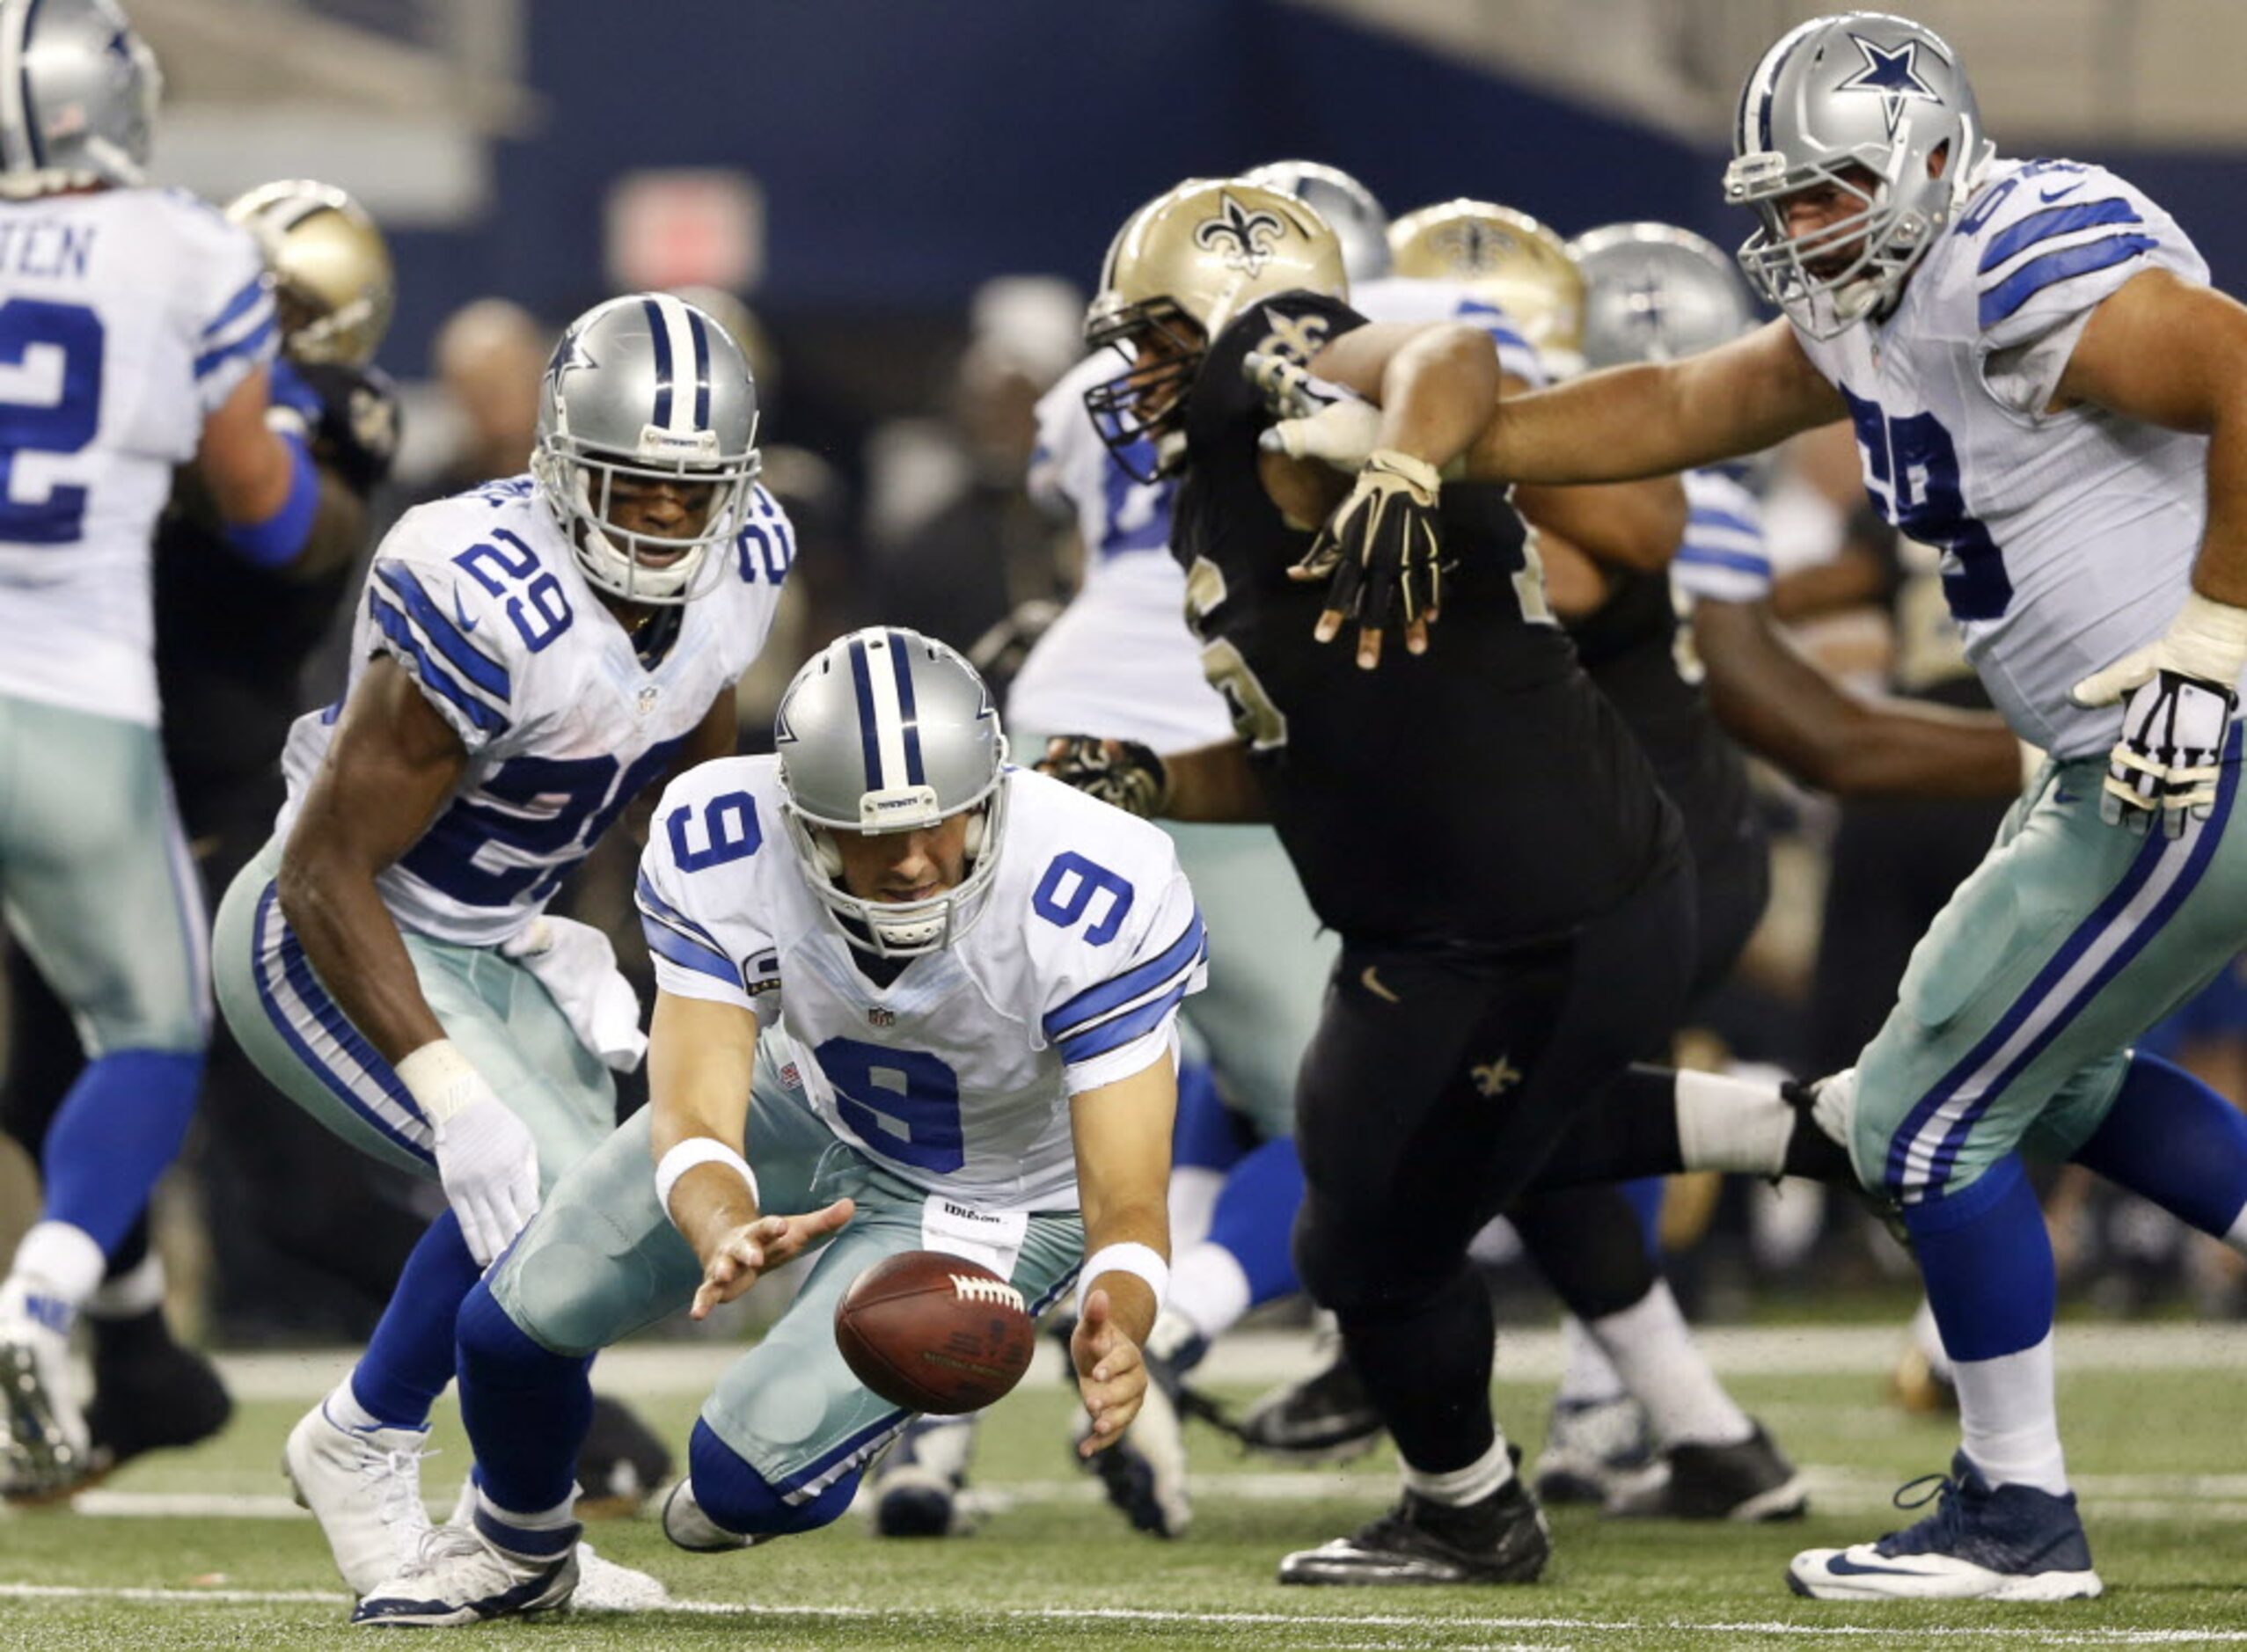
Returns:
(647, 697)
(883, 1018)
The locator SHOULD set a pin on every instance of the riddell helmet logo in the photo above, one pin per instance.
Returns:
(1246, 240)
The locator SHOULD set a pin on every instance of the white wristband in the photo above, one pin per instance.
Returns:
(1141, 1261)
(699, 1150)
(2208, 640)
(441, 1080)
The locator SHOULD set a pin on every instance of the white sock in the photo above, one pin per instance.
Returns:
(562, 1513)
(345, 1411)
(1477, 1480)
(59, 1263)
(1662, 1367)
(131, 1293)
(1588, 1377)
(2237, 1237)
(2009, 1415)
(1208, 1288)
(1728, 1124)
(1496, 1245)
(1927, 1336)
(1193, 1202)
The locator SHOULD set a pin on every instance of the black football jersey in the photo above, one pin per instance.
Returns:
(1483, 792)
(1632, 648)
(231, 639)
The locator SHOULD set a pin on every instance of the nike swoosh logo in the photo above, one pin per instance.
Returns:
(1374, 987)
(1843, 1566)
(461, 615)
(2054, 195)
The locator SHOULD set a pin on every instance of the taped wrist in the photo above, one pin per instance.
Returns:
(699, 1150)
(1142, 1262)
(2208, 640)
(442, 1081)
(1423, 477)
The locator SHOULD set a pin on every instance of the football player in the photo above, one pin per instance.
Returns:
(2043, 384)
(227, 635)
(932, 999)
(1461, 1030)
(528, 658)
(141, 322)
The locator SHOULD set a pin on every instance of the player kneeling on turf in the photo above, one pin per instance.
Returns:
(932, 998)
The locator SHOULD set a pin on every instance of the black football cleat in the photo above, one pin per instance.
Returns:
(1326, 1418)
(1750, 1480)
(1501, 1539)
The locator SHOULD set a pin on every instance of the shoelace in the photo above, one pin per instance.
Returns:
(395, 1473)
(1943, 1491)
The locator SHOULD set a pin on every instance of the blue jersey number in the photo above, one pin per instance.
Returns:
(905, 1104)
(541, 611)
(730, 824)
(33, 333)
(1913, 472)
(543, 807)
(1122, 498)
(1073, 885)
(766, 549)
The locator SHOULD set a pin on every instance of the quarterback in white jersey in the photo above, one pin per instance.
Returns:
(2043, 386)
(136, 327)
(911, 998)
(529, 657)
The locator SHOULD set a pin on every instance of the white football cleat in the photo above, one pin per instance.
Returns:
(364, 1487)
(43, 1442)
(462, 1576)
(1981, 1543)
(695, 1532)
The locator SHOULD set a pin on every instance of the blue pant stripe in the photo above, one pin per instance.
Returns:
(267, 967)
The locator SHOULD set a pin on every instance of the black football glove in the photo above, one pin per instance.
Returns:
(1380, 556)
(1120, 772)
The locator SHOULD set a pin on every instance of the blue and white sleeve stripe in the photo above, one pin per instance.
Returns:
(2057, 245)
(1516, 354)
(244, 326)
(447, 634)
(391, 620)
(1130, 1005)
(671, 935)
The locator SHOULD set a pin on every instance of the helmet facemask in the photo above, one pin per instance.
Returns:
(1888, 238)
(1141, 412)
(904, 929)
(580, 486)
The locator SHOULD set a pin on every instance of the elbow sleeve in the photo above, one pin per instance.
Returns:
(275, 541)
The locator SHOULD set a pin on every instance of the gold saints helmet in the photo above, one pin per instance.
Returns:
(1182, 268)
(332, 281)
(1506, 257)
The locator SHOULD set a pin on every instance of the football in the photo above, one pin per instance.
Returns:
(935, 1332)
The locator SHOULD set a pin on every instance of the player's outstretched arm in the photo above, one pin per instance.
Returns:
(1629, 422)
(1214, 784)
(1122, 1133)
(266, 488)
(1780, 705)
(702, 1064)
(2162, 350)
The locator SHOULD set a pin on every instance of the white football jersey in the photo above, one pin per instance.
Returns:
(2068, 538)
(1120, 660)
(125, 317)
(1723, 558)
(957, 1075)
(479, 599)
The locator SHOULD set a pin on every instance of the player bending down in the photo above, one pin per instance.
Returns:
(933, 998)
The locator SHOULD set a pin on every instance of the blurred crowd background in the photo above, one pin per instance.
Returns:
(900, 209)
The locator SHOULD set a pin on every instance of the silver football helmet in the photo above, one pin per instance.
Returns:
(647, 387)
(77, 96)
(886, 730)
(1653, 292)
(1349, 209)
(1861, 89)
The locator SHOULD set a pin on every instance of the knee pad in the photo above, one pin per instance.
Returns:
(742, 1501)
(541, 1286)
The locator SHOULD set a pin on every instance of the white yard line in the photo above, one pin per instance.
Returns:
(1886, 1634)
(691, 1367)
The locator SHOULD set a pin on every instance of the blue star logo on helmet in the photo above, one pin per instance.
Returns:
(1894, 74)
(569, 354)
(1252, 233)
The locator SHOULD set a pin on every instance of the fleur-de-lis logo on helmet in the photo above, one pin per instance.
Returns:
(1246, 240)
(1473, 245)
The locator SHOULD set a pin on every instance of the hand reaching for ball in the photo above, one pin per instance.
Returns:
(1110, 1375)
